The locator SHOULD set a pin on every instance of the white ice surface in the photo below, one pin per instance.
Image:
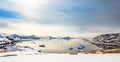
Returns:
(63, 58)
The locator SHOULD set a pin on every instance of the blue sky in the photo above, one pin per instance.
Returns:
(7, 14)
(83, 18)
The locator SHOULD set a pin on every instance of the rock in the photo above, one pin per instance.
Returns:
(7, 40)
(107, 41)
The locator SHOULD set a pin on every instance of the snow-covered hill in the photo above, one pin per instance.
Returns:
(7, 40)
(107, 41)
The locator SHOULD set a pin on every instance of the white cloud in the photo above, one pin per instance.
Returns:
(45, 30)
(46, 10)
(27, 8)
(32, 10)
(36, 10)
(37, 29)
(29, 28)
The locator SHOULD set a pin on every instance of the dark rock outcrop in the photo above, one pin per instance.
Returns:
(107, 41)
(7, 40)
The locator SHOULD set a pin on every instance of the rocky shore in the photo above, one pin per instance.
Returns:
(107, 41)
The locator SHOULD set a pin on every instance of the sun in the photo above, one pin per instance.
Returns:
(29, 8)
(31, 4)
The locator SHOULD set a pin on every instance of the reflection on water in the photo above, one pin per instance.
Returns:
(58, 46)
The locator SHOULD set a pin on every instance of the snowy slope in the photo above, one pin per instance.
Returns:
(7, 40)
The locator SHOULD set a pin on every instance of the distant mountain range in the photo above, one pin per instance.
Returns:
(33, 37)
(50, 38)
(11, 39)
(25, 37)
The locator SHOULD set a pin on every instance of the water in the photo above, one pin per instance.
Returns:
(58, 46)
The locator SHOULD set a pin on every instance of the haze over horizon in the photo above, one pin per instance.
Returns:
(79, 18)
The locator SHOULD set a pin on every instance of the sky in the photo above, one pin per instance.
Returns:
(77, 18)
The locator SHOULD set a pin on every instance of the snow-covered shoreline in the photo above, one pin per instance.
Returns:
(34, 56)
(63, 58)
(28, 52)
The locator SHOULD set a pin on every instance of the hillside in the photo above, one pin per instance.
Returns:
(107, 41)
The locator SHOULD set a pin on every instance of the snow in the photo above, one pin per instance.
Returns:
(63, 58)
(31, 55)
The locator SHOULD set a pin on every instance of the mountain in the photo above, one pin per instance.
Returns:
(25, 37)
(12, 39)
(7, 40)
(107, 41)
(59, 37)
